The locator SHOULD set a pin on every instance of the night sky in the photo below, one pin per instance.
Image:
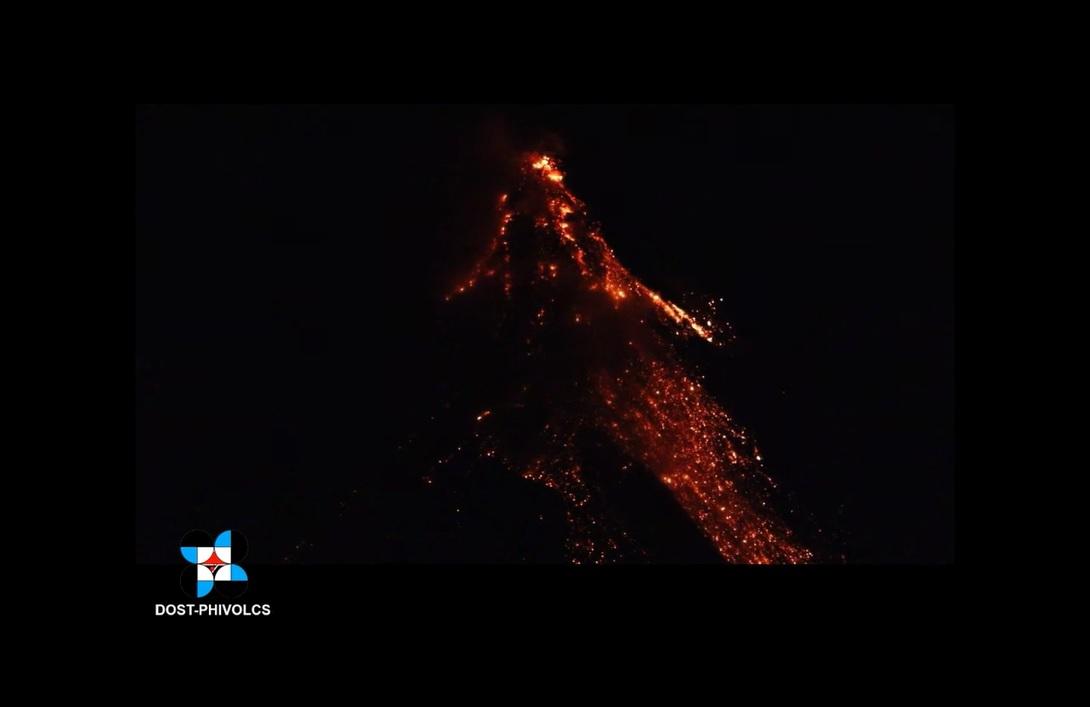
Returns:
(292, 345)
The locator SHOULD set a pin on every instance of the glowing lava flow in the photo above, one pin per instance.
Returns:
(624, 382)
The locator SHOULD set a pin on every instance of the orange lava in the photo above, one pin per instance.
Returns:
(645, 399)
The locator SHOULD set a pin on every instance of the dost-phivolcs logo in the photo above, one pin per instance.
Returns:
(213, 564)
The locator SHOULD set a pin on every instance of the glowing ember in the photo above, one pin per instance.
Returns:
(630, 386)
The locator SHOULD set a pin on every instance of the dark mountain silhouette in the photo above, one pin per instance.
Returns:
(588, 392)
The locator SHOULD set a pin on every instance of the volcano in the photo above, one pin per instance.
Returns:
(590, 386)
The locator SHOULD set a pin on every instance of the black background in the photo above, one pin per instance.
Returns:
(290, 263)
